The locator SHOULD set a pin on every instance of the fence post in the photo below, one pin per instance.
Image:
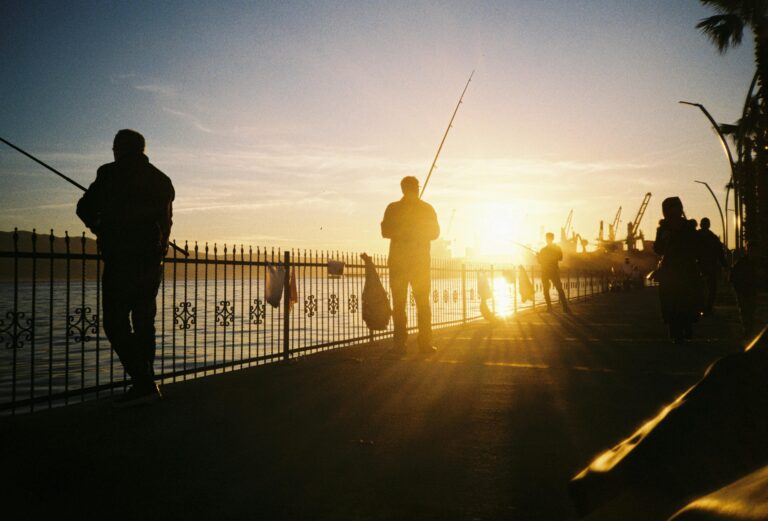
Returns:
(463, 293)
(286, 304)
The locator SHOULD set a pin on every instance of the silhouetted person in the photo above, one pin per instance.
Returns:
(129, 208)
(549, 257)
(744, 280)
(410, 224)
(678, 274)
(711, 261)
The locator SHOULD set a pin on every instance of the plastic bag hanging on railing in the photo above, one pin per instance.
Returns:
(376, 308)
(335, 269)
(485, 293)
(483, 286)
(526, 287)
(273, 290)
(293, 297)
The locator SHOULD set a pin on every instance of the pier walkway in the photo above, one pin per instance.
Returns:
(491, 427)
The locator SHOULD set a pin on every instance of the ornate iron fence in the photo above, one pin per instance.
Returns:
(212, 312)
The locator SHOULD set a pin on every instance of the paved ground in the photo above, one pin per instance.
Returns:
(492, 427)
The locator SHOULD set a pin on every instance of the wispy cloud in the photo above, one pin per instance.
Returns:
(154, 88)
(189, 118)
(37, 207)
(120, 78)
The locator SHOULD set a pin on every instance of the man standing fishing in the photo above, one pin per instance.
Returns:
(410, 224)
(549, 257)
(129, 208)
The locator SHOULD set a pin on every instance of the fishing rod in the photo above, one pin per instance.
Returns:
(450, 123)
(72, 181)
(526, 247)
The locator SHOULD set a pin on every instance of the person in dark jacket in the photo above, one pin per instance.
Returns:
(129, 208)
(711, 261)
(410, 224)
(549, 257)
(678, 274)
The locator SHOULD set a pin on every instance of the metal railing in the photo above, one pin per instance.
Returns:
(212, 315)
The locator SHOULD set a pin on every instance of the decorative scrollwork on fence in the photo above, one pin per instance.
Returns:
(184, 315)
(257, 312)
(310, 306)
(352, 304)
(435, 296)
(333, 304)
(455, 296)
(79, 325)
(225, 313)
(446, 296)
(18, 330)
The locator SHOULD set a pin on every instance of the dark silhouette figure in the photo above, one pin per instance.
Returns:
(410, 224)
(744, 280)
(678, 273)
(129, 208)
(711, 261)
(549, 257)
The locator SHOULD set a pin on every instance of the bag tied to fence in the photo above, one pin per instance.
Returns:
(376, 308)
(526, 287)
(483, 286)
(335, 269)
(273, 290)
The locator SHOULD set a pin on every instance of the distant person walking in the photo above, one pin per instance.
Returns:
(711, 261)
(549, 257)
(410, 224)
(129, 208)
(678, 274)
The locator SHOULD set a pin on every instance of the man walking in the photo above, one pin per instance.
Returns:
(549, 257)
(711, 261)
(129, 208)
(410, 224)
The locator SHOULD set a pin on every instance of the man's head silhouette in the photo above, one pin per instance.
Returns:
(550, 237)
(705, 224)
(410, 186)
(128, 143)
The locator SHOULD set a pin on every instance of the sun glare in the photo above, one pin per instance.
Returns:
(495, 230)
(502, 292)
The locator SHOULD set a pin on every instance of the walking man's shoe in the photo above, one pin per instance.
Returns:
(427, 350)
(138, 395)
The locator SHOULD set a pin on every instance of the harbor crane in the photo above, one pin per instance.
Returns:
(567, 227)
(614, 226)
(633, 228)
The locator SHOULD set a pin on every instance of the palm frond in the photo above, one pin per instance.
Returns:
(723, 6)
(724, 30)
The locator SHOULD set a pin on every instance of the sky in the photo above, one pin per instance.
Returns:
(291, 123)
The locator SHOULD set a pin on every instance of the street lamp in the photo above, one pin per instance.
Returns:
(730, 162)
(719, 209)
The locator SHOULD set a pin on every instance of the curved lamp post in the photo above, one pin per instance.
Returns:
(730, 162)
(719, 209)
